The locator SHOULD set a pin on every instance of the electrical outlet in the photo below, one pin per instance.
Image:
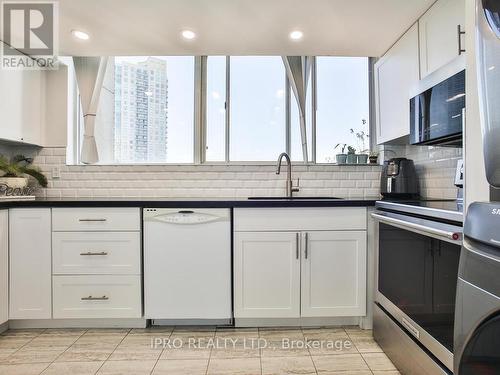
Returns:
(56, 172)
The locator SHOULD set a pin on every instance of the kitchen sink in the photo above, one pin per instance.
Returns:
(293, 198)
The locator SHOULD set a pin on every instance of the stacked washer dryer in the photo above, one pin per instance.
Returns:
(477, 318)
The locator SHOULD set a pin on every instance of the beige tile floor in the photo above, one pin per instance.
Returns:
(192, 351)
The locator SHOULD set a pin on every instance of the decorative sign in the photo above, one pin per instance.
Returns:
(7, 191)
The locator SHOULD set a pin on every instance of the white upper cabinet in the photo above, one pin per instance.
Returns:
(334, 274)
(395, 74)
(440, 41)
(4, 266)
(30, 264)
(22, 105)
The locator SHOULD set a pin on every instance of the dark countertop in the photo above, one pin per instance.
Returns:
(188, 202)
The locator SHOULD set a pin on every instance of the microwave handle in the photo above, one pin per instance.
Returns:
(460, 32)
(454, 236)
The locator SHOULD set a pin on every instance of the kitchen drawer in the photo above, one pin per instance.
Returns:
(96, 253)
(299, 219)
(96, 219)
(97, 296)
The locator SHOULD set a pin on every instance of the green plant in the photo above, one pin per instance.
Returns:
(19, 166)
(342, 147)
(351, 150)
(361, 138)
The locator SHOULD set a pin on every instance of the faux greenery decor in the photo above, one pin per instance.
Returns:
(19, 166)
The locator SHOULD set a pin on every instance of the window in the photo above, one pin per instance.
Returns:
(148, 104)
(342, 104)
(216, 109)
(257, 108)
(146, 110)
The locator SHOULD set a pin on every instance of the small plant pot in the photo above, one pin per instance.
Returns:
(352, 159)
(362, 159)
(373, 159)
(14, 182)
(341, 158)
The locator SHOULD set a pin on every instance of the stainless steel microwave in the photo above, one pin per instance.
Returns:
(436, 112)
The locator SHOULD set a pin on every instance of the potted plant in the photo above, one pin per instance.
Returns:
(342, 157)
(15, 171)
(361, 138)
(352, 158)
(373, 157)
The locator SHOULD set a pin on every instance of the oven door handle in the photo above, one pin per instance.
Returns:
(451, 235)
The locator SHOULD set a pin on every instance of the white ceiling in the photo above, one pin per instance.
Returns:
(236, 27)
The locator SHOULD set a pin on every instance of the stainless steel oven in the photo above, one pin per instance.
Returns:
(417, 262)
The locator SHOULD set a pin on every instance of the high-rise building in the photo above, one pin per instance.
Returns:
(141, 110)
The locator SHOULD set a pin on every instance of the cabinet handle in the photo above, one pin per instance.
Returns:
(459, 35)
(90, 298)
(90, 220)
(297, 240)
(305, 245)
(89, 253)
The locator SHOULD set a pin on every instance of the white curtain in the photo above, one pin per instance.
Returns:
(298, 70)
(90, 73)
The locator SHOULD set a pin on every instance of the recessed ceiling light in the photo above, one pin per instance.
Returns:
(188, 34)
(82, 35)
(296, 35)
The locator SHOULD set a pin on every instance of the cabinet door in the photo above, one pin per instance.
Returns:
(334, 274)
(4, 266)
(21, 104)
(438, 29)
(30, 264)
(266, 275)
(395, 74)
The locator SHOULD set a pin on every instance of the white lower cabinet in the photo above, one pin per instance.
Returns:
(288, 263)
(96, 263)
(333, 277)
(299, 274)
(97, 296)
(96, 253)
(4, 266)
(30, 268)
(266, 275)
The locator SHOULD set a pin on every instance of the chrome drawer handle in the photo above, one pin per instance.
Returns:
(306, 247)
(297, 251)
(91, 253)
(90, 298)
(90, 220)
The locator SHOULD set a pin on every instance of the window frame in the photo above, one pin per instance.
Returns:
(200, 119)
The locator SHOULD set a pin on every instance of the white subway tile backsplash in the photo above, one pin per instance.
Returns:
(202, 181)
(435, 168)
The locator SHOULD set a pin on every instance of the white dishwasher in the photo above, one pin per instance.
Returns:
(187, 265)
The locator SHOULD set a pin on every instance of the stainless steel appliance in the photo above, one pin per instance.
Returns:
(477, 321)
(436, 109)
(418, 250)
(477, 328)
(488, 64)
(399, 179)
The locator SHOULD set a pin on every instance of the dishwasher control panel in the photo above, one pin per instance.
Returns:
(183, 216)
